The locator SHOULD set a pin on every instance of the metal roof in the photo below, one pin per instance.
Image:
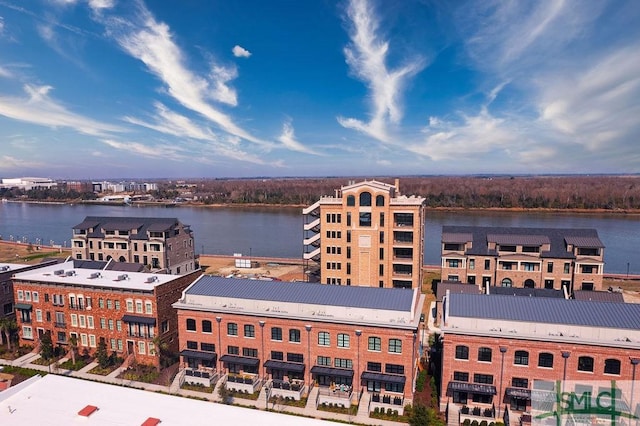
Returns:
(518, 239)
(127, 223)
(527, 292)
(308, 293)
(599, 296)
(456, 238)
(546, 310)
(585, 242)
(455, 287)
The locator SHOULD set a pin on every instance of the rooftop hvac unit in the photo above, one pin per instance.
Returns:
(95, 275)
(4, 268)
(152, 279)
(123, 277)
(71, 273)
(58, 272)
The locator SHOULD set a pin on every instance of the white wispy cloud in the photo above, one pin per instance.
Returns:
(5, 73)
(97, 5)
(1, 26)
(165, 151)
(9, 163)
(152, 43)
(220, 90)
(172, 123)
(288, 139)
(39, 108)
(366, 56)
(240, 52)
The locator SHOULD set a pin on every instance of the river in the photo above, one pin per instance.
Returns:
(277, 232)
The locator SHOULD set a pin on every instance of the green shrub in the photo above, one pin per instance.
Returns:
(376, 410)
(466, 422)
(475, 423)
(422, 378)
(484, 423)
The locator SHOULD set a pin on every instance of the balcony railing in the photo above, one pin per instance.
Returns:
(383, 402)
(243, 382)
(60, 324)
(141, 335)
(77, 307)
(204, 376)
(335, 395)
(286, 389)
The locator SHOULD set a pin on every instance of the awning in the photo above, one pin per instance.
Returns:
(328, 371)
(385, 378)
(519, 393)
(472, 387)
(139, 320)
(286, 366)
(24, 306)
(242, 360)
(207, 356)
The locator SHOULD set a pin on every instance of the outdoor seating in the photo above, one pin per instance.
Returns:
(189, 372)
(375, 397)
(397, 401)
(464, 410)
(476, 411)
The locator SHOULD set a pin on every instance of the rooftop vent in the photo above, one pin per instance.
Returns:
(95, 275)
(58, 272)
(152, 279)
(123, 277)
(88, 410)
(71, 273)
(4, 268)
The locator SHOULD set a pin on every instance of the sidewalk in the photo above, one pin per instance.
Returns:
(310, 410)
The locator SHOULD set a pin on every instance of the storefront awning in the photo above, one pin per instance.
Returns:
(285, 366)
(519, 393)
(242, 360)
(328, 371)
(139, 320)
(471, 388)
(24, 306)
(207, 356)
(384, 378)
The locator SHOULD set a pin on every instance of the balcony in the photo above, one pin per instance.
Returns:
(286, 389)
(477, 413)
(384, 402)
(200, 376)
(140, 335)
(312, 226)
(243, 382)
(77, 307)
(60, 324)
(337, 395)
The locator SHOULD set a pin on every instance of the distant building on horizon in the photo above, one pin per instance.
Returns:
(27, 183)
(161, 244)
(549, 258)
(368, 234)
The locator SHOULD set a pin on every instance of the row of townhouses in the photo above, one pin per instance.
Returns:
(362, 336)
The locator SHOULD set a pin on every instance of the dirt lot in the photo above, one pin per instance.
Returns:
(225, 265)
(11, 252)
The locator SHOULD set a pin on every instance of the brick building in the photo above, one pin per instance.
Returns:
(368, 234)
(126, 310)
(161, 244)
(523, 257)
(6, 285)
(500, 350)
(290, 335)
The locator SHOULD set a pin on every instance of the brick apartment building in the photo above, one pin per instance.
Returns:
(499, 350)
(161, 244)
(368, 234)
(6, 285)
(127, 310)
(566, 259)
(290, 335)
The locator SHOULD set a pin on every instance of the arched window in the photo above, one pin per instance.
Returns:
(462, 352)
(191, 324)
(351, 200)
(484, 354)
(521, 358)
(585, 363)
(379, 200)
(122, 259)
(365, 199)
(506, 282)
(206, 326)
(612, 366)
(545, 359)
(529, 283)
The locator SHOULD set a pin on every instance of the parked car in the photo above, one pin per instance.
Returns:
(615, 289)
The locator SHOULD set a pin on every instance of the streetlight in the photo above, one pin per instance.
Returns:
(503, 350)
(219, 320)
(262, 355)
(358, 334)
(308, 328)
(634, 363)
(565, 356)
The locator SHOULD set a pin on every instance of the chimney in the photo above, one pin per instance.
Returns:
(397, 187)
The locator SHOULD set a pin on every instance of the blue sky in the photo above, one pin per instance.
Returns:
(112, 88)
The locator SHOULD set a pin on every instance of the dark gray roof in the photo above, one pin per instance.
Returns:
(518, 239)
(586, 242)
(599, 296)
(455, 287)
(556, 236)
(311, 293)
(546, 310)
(142, 224)
(527, 292)
(456, 238)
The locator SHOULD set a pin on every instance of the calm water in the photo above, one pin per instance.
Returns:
(278, 231)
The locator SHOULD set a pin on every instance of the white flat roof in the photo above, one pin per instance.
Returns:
(13, 267)
(56, 400)
(87, 277)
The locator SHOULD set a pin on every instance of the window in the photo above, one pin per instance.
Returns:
(20, 295)
(117, 305)
(483, 378)
(207, 347)
(103, 323)
(39, 315)
(164, 326)
(206, 326)
(521, 358)
(232, 329)
(90, 321)
(460, 376)
(101, 306)
(545, 360)
(472, 264)
(293, 357)
(365, 199)
(110, 324)
(249, 330)
(278, 355)
(374, 366)
(113, 344)
(74, 320)
(351, 200)
(141, 348)
(233, 350)
(343, 340)
(453, 263)
(36, 298)
(83, 340)
(395, 346)
(348, 218)
(365, 218)
(611, 366)
(148, 307)
(192, 345)
(585, 363)
(294, 335)
(394, 369)
(324, 338)
(484, 354)
(129, 305)
(139, 306)
(567, 265)
(27, 296)
(276, 333)
(375, 344)
(343, 363)
(487, 264)
(118, 325)
(462, 352)
(250, 352)
(519, 382)
(191, 324)
(550, 267)
(27, 332)
(527, 266)
(324, 360)
(380, 200)
(109, 304)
